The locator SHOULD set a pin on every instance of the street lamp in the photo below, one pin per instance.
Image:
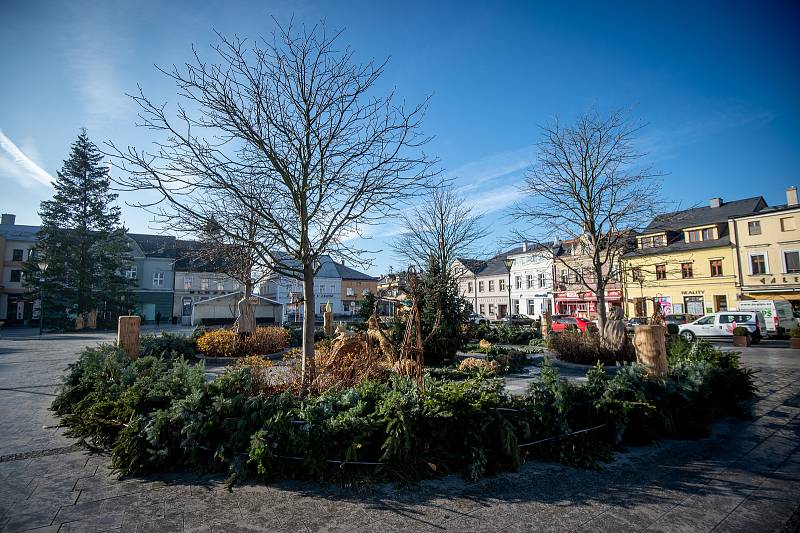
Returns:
(42, 268)
(508, 262)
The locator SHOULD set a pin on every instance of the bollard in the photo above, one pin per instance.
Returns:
(651, 349)
(128, 335)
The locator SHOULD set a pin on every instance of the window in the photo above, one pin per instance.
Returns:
(491, 286)
(130, 273)
(502, 285)
(518, 282)
(532, 307)
(158, 279)
(791, 261)
(469, 286)
(686, 270)
(482, 308)
(652, 242)
(351, 291)
(721, 301)
(220, 286)
(491, 309)
(705, 321)
(529, 281)
(541, 280)
(16, 276)
(636, 274)
(322, 289)
(708, 234)
(365, 292)
(758, 264)
(661, 271)
(187, 283)
(564, 275)
(480, 287)
(787, 224)
(716, 268)
(17, 255)
(204, 284)
(516, 307)
(694, 235)
(754, 227)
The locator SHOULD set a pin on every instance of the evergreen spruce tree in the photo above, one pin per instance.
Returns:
(82, 241)
(439, 295)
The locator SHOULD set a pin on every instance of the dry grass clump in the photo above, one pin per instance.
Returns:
(473, 363)
(227, 343)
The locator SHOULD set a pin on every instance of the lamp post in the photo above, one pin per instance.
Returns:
(42, 268)
(508, 262)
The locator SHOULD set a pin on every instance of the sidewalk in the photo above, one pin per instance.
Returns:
(744, 477)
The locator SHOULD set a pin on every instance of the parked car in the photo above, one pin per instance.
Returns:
(561, 323)
(720, 326)
(475, 318)
(778, 315)
(630, 326)
(679, 319)
(521, 320)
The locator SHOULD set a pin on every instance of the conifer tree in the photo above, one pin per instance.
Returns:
(82, 240)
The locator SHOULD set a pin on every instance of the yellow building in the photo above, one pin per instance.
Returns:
(768, 245)
(685, 261)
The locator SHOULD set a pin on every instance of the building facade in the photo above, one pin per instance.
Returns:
(355, 288)
(152, 268)
(767, 262)
(532, 275)
(485, 284)
(685, 262)
(17, 305)
(573, 271)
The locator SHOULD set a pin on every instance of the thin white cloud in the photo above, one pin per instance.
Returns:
(15, 163)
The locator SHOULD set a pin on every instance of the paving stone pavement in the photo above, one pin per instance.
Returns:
(744, 477)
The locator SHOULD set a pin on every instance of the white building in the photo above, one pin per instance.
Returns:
(327, 288)
(17, 304)
(532, 279)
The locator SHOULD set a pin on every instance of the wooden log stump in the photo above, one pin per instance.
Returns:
(651, 349)
(545, 327)
(92, 322)
(79, 322)
(327, 320)
(128, 335)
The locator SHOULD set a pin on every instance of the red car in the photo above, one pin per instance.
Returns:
(561, 323)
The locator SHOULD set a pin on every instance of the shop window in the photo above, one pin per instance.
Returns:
(491, 310)
(716, 268)
(694, 305)
(686, 270)
(754, 227)
(532, 307)
(661, 271)
(758, 264)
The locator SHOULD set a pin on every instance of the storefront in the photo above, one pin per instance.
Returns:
(584, 303)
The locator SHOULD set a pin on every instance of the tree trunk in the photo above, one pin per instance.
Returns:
(651, 349)
(601, 310)
(308, 366)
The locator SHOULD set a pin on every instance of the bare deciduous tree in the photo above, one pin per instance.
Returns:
(289, 130)
(587, 184)
(443, 227)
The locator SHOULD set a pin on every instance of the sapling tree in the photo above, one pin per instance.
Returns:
(291, 129)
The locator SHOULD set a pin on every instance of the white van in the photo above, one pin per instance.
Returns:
(720, 326)
(777, 313)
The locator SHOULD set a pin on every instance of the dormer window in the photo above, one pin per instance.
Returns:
(699, 235)
(654, 241)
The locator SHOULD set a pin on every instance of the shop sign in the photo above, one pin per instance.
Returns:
(700, 291)
(773, 281)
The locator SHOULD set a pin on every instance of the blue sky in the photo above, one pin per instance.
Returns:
(716, 82)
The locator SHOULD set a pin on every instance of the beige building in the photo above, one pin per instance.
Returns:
(17, 304)
(355, 287)
(768, 252)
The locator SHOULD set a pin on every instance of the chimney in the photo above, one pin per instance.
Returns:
(791, 197)
(7, 219)
(715, 202)
(525, 243)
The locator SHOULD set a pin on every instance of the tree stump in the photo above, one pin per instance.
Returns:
(651, 349)
(92, 322)
(128, 335)
(545, 324)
